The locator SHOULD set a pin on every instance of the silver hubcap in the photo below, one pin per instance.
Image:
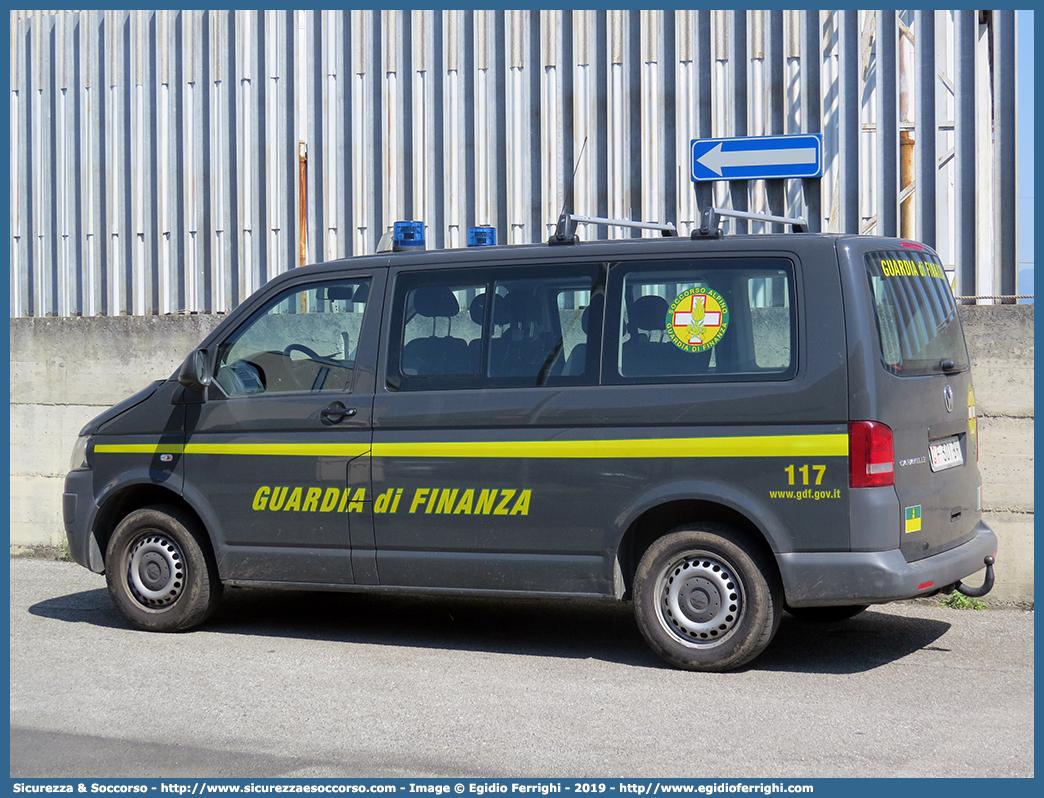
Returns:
(699, 600)
(156, 574)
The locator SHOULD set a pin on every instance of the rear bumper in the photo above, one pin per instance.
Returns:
(874, 577)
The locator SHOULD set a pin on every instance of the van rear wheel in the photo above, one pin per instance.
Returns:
(159, 570)
(705, 599)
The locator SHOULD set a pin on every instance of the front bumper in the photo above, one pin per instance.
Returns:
(79, 510)
(824, 579)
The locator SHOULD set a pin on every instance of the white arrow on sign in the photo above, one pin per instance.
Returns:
(716, 160)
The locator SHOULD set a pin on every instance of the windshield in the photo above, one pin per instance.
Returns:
(916, 314)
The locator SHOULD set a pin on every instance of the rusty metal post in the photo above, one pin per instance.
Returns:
(906, 178)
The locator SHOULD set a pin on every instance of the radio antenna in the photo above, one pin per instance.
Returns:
(565, 232)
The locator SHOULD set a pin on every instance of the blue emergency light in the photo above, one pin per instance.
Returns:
(407, 235)
(482, 236)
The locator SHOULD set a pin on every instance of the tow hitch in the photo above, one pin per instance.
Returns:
(987, 585)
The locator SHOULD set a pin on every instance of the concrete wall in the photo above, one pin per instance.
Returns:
(64, 371)
(1000, 342)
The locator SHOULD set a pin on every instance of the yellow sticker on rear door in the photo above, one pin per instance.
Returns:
(913, 518)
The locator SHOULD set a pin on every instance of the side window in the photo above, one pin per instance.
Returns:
(496, 327)
(574, 318)
(303, 340)
(703, 320)
(771, 320)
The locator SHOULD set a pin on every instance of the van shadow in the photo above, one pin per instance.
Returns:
(857, 645)
(568, 628)
(93, 607)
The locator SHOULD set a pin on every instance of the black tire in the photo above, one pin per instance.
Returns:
(160, 571)
(705, 599)
(827, 614)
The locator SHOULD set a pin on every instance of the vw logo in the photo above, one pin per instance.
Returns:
(948, 398)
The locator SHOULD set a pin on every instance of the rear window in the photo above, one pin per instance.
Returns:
(916, 314)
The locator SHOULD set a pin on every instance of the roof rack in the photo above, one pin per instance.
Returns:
(565, 232)
(709, 221)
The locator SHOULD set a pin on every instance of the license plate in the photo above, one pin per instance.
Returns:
(945, 454)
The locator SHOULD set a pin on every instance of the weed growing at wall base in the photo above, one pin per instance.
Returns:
(959, 601)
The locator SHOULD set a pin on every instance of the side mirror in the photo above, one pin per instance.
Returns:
(194, 372)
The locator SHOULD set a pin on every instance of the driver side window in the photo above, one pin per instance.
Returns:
(304, 340)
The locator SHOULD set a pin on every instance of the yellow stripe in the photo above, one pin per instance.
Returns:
(256, 449)
(749, 446)
(139, 448)
(753, 446)
(281, 449)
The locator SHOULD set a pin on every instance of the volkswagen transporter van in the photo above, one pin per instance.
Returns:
(714, 428)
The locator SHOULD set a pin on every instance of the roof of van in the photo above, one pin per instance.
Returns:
(606, 248)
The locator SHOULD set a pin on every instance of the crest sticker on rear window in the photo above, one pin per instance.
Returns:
(697, 319)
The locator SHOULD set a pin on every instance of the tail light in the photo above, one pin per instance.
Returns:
(871, 456)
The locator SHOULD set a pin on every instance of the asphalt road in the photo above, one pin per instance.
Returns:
(343, 685)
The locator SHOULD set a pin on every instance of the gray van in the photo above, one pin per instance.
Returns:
(715, 428)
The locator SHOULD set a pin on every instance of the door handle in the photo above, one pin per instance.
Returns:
(336, 413)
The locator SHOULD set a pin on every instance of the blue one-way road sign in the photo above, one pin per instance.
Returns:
(757, 157)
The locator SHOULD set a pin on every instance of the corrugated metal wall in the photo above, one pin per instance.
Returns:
(174, 161)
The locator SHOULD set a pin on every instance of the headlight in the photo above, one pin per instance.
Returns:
(79, 461)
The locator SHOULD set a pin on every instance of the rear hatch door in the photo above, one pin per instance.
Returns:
(921, 387)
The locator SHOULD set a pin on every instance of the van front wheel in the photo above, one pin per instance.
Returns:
(159, 570)
(705, 600)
